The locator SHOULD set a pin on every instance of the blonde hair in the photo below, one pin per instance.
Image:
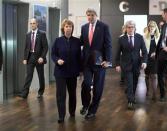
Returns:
(123, 30)
(145, 30)
(156, 33)
(68, 22)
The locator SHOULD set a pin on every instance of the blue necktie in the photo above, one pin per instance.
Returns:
(130, 41)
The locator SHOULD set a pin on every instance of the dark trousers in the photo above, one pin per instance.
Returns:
(30, 70)
(132, 79)
(61, 84)
(92, 75)
(162, 69)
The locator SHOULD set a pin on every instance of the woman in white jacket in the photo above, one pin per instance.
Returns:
(151, 38)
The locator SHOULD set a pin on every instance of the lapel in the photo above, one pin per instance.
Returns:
(127, 41)
(66, 45)
(128, 44)
(87, 34)
(95, 32)
(164, 31)
(37, 37)
(135, 41)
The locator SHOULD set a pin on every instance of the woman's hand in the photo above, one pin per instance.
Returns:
(153, 55)
(60, 62)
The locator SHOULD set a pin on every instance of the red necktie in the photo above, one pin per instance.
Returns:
(91, 34)
(32, 42)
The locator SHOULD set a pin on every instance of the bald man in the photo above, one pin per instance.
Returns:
(36, 47)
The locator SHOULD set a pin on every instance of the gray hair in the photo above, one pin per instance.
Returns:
(91, 10)
(130, 22)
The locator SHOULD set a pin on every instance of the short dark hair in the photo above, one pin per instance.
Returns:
(165, 10)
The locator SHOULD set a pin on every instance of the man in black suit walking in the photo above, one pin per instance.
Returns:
(129, 46)
(1, 56)
(36, 48)
(96, 41)
(161, 54)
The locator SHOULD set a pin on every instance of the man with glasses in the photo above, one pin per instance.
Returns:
(129, 46)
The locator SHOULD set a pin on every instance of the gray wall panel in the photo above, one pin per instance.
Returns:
(22, 24)
(15, 28)
(115, 30)
(54, 18)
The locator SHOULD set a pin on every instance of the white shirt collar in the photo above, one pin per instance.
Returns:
(94, 24)
(130, 35)
(35, 31)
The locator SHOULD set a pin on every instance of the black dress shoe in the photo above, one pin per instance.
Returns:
(90, 116)
(162, 99)
(126, 90)
(83, 110)
(60, 121)
(22, 96)
(122, 83)
(154, 98)
(39, 96)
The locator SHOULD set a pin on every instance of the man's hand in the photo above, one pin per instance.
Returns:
(40, 60)
(105, 64)
(118, 68)
(81, 76)
(25, 62)
(60, 62)
(144, 65)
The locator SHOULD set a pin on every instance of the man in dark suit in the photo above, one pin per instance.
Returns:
(96, 41)
(129, 46)
(161, 55)
(1, 56)
(36, 48)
